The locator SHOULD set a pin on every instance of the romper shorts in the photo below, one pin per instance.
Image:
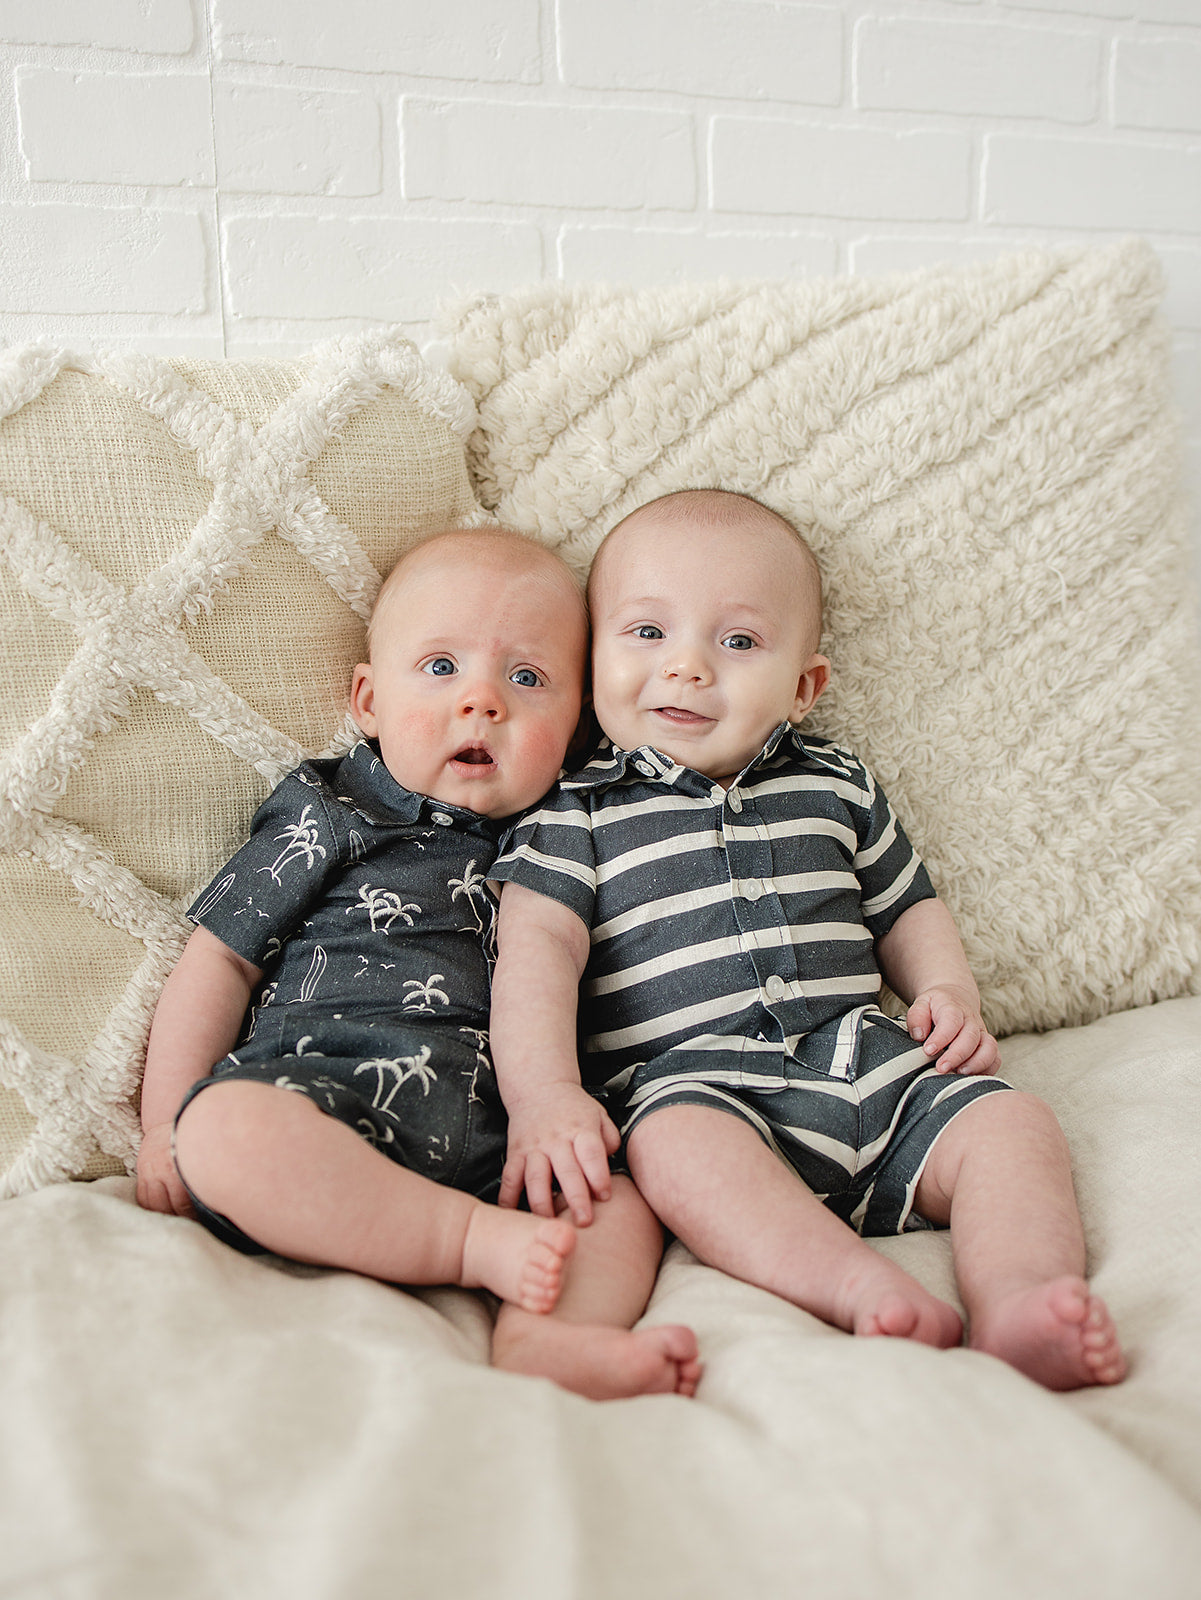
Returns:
(857, 1133)
(423, 1096)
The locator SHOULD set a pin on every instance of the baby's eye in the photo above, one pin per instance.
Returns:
(647, 630)
(439, 667)
(526, 677)
(739, 641)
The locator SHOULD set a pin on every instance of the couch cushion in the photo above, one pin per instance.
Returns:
(189, 553)
(986, 463)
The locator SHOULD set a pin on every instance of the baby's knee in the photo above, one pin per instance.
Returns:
(1030, 1113)
(1017, 1119)
(227, 1119)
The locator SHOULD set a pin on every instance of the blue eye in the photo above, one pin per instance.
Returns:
(526, 677)
(739, 641)
(440, 667)
(648, 631)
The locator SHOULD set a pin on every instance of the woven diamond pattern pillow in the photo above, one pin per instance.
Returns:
(188, 552)
(985, 462)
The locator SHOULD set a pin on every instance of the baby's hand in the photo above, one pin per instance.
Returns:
(160, 1188)
(949, 1024)
(565, 1135)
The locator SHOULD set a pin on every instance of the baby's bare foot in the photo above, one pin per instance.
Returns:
(519, 1257)
(1058, 1333)
(903, 1314)
(598, 1362)
(878, 1300)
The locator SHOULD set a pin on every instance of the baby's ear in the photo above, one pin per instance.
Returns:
(362, 699)
(815, 676)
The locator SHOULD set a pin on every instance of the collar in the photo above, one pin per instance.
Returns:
(360, 778)
(611, 765)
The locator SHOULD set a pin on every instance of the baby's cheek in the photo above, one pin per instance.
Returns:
(543, 751)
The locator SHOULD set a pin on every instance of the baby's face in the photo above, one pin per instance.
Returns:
(474, 685)
(702, 641)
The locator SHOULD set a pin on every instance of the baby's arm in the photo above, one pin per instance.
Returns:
(196, 1022)
(922, 959)
(556, 1129)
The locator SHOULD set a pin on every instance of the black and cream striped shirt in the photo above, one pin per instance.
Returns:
(719, 916)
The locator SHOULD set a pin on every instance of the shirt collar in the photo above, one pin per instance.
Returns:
(612, 765)
(365, 781)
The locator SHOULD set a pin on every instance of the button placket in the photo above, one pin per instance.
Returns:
(758, 908)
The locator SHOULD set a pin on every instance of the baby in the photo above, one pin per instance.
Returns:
(731, 890)
(338, 977)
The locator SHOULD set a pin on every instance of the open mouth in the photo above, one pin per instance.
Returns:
(474, 755)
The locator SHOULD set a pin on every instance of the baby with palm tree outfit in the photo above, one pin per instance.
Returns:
(318, 1079)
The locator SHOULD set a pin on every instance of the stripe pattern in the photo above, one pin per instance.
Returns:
(732, 961)
(739, 920)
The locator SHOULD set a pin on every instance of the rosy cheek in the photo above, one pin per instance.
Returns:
(544, 748)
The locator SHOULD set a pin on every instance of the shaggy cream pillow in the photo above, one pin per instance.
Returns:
(189, 553)
(985, 461)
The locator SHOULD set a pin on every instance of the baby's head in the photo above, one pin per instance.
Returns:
(706, 618)
(478, 644)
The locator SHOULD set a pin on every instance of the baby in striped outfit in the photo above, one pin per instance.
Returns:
(730, 891)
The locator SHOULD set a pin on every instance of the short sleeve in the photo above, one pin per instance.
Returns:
(551, 851)
(262, 894)
(892, 876)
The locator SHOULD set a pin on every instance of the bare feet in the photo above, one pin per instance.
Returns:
(878, 1300)
(518, 1256)
(903, 1315)
(1058, 1333)
(598, 1362)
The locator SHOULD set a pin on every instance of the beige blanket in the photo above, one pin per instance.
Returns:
(180, 1421)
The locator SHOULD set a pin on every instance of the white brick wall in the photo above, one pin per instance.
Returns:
(246, 176)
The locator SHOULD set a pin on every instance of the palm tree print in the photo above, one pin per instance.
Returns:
(390, 1073)
(425, 993)
(467, 888)
(383, 907)
(301, 840)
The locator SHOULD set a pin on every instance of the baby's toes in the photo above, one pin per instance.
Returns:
(688, 1377)
(1102, 1350)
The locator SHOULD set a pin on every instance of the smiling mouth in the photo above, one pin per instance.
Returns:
(680, 717)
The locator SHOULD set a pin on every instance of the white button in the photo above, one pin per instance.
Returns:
(735, 800)
(752, 888)
(645, 768)
(776, 987)
(441, 819)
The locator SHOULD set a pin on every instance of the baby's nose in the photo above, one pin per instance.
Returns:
(482, 698)
(689, 664)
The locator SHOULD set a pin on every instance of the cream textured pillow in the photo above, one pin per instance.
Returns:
(985, 460)
(189, 551)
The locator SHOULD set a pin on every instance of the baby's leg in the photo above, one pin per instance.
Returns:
(1000, 1173)
(721, 1190)
(304, 1185)
(587, 1343)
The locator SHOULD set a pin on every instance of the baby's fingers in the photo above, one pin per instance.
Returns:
(538, 1184)
(951, 1032)
(984, 1060)
(593, 1157)
(512, 1182)
(919, 1019)
(961, 1052)
(577, 1195)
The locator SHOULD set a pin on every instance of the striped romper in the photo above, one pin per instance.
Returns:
(732, 959)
